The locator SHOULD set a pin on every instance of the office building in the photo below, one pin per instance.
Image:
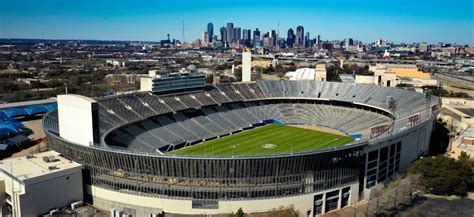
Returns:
(237, 34)
(160, 83)
(246, 36)
(307, 40)
(205, 38)
(348, 42)
(318, 40)
(267, 41)
(300, 36)
(223, 32)
(256, 38)
(230, 33)
(273, 38)
(290, 38)
(210, 31)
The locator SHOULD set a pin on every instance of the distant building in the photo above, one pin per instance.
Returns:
(290, 38)
(299, 36)
(174, 81)
(273, 39)
(307, 40)
(256, 38)
(423, 48)
(246, 37)
(381, 43)
(321, 73)
(267, 41)
(246, 65)
(230, 33)
(210, 31)
(348, 42)
(223, 32)
(35, 184)
(318, 40)
(205, 38)
(237, 34)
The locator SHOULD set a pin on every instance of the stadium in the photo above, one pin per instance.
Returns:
(319, 146)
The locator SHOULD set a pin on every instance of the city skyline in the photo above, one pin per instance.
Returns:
(398, 21)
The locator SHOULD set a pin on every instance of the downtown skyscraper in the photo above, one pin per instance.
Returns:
(246, 37)
(210, 31)
(230, 33)
(299, 36)
(256, 38)
(290, 38)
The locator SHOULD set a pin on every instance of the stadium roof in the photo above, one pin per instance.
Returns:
(5, 130)
(3, 116)
(15, 112)
(10, 126)
(301, 74)
(27, 110)
(26, 103)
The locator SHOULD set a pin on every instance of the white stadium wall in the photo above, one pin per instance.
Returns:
(76, 115)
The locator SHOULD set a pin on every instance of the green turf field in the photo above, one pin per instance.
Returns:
(277, 139)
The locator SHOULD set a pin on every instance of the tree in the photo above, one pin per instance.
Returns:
(238, 74)
(463, 157)
(210, 78)
(442, 175)
(240, 213)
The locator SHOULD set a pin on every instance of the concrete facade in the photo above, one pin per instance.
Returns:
(106, 200)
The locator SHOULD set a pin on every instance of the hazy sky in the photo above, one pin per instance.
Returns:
(394, 20)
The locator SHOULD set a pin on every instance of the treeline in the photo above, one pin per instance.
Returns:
(442, 175)
(446, 93)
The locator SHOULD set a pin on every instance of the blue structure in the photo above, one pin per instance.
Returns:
(13, 132)
(11, 127)
(28, 110)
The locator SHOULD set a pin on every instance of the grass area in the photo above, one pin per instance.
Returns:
(266, 140)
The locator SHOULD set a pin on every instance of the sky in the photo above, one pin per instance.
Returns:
(394, 20)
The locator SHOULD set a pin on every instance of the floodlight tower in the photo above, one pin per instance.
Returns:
(427, 94)
(392, 106)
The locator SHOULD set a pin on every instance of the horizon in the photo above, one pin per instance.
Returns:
(426, 21)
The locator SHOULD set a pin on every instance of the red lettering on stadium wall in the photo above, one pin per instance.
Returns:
(413, 120)
(379, 130)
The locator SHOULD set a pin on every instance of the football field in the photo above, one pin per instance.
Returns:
(266, 140)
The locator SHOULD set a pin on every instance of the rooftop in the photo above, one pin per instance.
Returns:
(31, 167)
(26, 103)
(301, 74)
(410, 73)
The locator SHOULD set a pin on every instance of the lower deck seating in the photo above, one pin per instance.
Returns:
(187, 127)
